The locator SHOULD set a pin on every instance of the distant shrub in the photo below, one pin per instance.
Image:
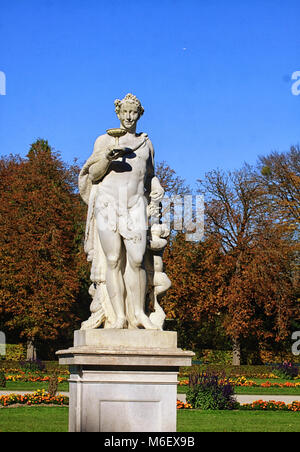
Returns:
(32, 365)
(215, 356)
(15, 352)
(209, 391)
(268, 357)
(53, 383)
(248, 357)
(2, 379)
(285, 370)
(229, 371)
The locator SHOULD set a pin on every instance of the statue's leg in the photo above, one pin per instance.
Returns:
(135, 277)
(111, 245)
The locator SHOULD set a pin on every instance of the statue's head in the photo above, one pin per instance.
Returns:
(129, 110)
(129, 98)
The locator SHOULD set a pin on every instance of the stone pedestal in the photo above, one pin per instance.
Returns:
(123, 380)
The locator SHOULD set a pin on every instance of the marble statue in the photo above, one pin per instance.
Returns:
(124, 239)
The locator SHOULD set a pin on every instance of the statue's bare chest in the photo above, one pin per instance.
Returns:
(135, 162)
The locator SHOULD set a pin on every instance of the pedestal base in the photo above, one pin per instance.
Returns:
(123, 388)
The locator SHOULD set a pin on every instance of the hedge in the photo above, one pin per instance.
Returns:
(15, 352)
(221, 357)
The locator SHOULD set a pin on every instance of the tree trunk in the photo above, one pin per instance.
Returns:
(236, 352)
(236, 346)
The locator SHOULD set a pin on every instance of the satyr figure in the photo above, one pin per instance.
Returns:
(122, 192)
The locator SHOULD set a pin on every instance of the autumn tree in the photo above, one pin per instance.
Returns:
(41, 228)
(239, 280)
(192, 301)
(170, 181)
(256, 298)
(189, 266)
(174, 302)
(279, 175)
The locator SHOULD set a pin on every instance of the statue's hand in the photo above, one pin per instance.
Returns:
(114, 153)
(152, 210)
(157, 194)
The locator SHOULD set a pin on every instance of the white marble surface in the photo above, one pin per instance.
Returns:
(119, 185)
(122, 401)
(109, 338)
(123, 389)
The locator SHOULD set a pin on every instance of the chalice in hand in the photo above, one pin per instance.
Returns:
(117, 133)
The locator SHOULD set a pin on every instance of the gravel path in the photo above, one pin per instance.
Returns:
(243, 398)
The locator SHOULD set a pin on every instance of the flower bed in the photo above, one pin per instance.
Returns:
(257, 405)
(249, 371)
(183, 406)
(242, 381)
(35, 398)
(271, 405)
(16, 374)
(31, 377)
(20, 370)
(41, 397)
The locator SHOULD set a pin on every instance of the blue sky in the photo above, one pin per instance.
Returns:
(214, 76)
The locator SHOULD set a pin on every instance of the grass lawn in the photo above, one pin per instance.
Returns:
(34, 419)
(32, 386)
(237, 421)
(55, 419)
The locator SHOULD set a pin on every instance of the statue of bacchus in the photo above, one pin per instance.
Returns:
(119, 185)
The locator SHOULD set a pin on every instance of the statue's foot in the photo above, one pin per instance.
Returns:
(144, 321)
(132, 326)
(119, 324)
